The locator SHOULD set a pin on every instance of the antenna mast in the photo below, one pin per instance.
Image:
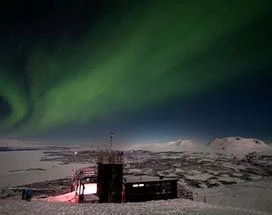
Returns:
(110, 142)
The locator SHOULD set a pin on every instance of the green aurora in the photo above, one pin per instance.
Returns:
(131, 59)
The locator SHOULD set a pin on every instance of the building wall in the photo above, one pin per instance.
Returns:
(110, 180)
(145, 191)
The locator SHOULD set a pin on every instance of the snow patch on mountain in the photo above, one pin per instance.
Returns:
(238, 145)
(173, 146)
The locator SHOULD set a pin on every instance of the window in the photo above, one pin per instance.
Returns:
(137, 185)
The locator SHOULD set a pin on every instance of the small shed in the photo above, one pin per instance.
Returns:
(146, 188)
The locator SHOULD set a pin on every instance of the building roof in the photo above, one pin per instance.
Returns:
(145, 179)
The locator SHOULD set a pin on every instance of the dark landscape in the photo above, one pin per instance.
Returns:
(193, 169)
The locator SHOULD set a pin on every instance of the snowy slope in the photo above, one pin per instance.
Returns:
(229, 145)
(252, 195)
(242, 199)
(238, 145)
(176, 206)
(173, 146)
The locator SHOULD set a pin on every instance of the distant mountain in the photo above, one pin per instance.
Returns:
(229, 145)
(238, 145)
(173, 146)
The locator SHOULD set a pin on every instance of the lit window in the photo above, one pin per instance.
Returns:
(141, 185)
(89, 188)
(135, 185)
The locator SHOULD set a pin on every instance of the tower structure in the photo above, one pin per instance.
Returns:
(110, 174)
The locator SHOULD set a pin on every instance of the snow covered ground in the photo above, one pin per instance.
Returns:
(228, 145)
(173, 146)
(250, 195)
(238, 145)
(176, 206)
(246, 198)
(24, 167)
(221, 162)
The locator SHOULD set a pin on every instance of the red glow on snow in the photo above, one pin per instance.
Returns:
(67, 197)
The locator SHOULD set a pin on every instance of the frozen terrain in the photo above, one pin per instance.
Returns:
(24, 167)
(176, 206)
(228, 145)
(233, 176)
(251, 195)
(241, 199)
(173, 146)
(222, 162)
(198, 166)
(238, 145)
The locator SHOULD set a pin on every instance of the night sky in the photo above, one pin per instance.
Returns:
(147, 70)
